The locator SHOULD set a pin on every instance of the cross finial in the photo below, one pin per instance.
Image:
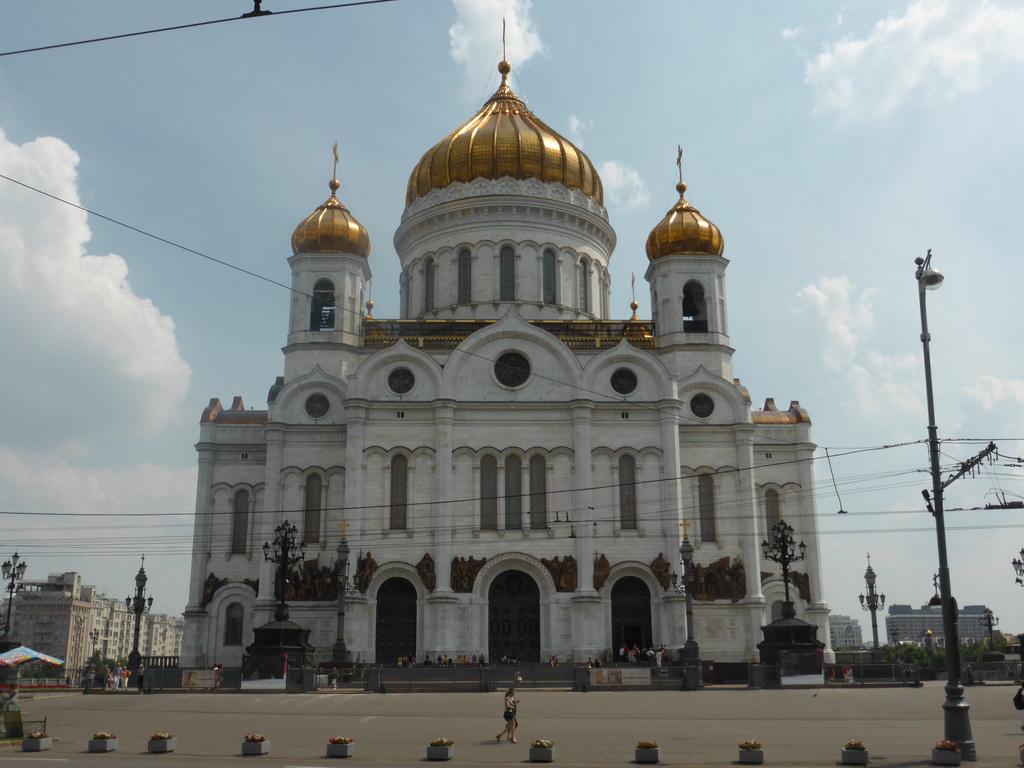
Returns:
(504, 54)
(679, 161)
(685, 525)
(869, 559)
(335, 159)
(344, 524)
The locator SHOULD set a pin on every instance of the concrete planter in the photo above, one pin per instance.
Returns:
(946, 757)
(440, 753)
(542, 754)
(341, 750)
(751, 756)
(647, 755)
(162, 745)
(256, 747)
(36, 745)
(853, 756)
(102, 745)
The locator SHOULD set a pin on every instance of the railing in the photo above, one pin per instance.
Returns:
(447, 334)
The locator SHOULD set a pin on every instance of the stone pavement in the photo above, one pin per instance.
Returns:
(798, 727)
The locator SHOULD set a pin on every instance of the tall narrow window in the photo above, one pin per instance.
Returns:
(399, 492)
(233, 618)
(507, 257)
(548, 269)
(513, 493)
(538, 493)
(321, 313)
(627, 492)
(584, 286)
(488, 493)
(706, 500)
(465, 277)
(654, 309)
(405, 294)
(240, 523)
(428, 286)
(772, 513)
(311, 522)
(695, 316)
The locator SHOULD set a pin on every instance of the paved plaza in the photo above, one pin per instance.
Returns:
(799, 727)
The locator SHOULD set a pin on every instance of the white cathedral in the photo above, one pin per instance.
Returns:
(514, 471)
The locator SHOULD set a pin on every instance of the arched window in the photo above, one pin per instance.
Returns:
(399, 492)
(538, 493)
(321, 313)
(549, 275)
(311, 522)
(240, 523)
(507, 257)
(428, 286)
(772, 511)
(584, 285)
(233, 622)
(488, 493)
(465, 277)
(627, 492)
(513, 493)
(706, 501)
(695, 317)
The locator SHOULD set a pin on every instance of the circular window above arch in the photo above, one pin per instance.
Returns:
(702, 405)
(317, 406)
(624, 381)
(401, 381)
(512, 369)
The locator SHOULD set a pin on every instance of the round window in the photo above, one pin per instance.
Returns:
(317, 406)
(623, 381)
(401, 380)
(702, 405)
(512, 369)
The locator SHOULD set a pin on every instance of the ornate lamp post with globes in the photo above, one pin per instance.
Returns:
(956, 710)
(691, 651)
(138, 605)
(14, 572)
(873, 602)
(782, 549)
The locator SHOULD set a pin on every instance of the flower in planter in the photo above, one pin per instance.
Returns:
(854, 745)
(542, 744)
(947, 746)
(339, 740)
(442, 742)
(161, 737)
(254, 738)
(103, 735)
(647, 745)
(750, 744)
(37, 735)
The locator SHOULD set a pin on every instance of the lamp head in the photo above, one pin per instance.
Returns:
(926, 276)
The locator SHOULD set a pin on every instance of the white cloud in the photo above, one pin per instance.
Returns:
(476, 33)
(622, 184)
(83, 355)
(930, 53)
(576, 129)
(990, 391)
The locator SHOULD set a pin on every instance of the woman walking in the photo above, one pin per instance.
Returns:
(511, 704)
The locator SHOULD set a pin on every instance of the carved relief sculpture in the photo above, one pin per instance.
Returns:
(563, 572)
(366, 566)
(211, 585)
(660, 570)
(721, 580)
(464, 572)
(425, 568)
(601, 570)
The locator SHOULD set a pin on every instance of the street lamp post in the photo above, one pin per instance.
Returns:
(14, 572)
(284, 553)
(339, 653)
(691, 650)
(138, 605)
(989, 620)
(873, 602)
(782, 549)
(1018, 567)
(956, 709)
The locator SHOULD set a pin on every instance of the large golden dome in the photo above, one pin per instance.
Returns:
(684, 231)
(504, 139)
(331, 228)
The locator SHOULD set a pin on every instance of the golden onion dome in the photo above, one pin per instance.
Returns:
(331, 228)
(684, 231)
(504, 139)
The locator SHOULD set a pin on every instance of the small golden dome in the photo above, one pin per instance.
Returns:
(504, 139)
(331, 228)
(684, 231)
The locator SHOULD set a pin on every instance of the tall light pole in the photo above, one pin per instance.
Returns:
(14, 572)
(691, 651)
(956, 709)
(284, 553)
(138, 605)
(989, 620)
(782, 549)
(873, 602)
(339, 653)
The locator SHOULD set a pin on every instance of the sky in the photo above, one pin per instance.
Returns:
(832, 144)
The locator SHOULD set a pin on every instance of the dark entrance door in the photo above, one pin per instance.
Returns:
(396, 620)
(631, 613)
(514, 617)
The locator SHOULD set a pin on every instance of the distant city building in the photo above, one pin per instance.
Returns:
(58, 616)
(911, 624)
(845, 632)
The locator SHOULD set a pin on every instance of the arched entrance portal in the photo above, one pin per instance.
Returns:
(396, 620)
(631, 613)
(513, 617)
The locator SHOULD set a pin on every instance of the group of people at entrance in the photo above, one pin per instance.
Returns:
(511, 709)
(637, 655)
